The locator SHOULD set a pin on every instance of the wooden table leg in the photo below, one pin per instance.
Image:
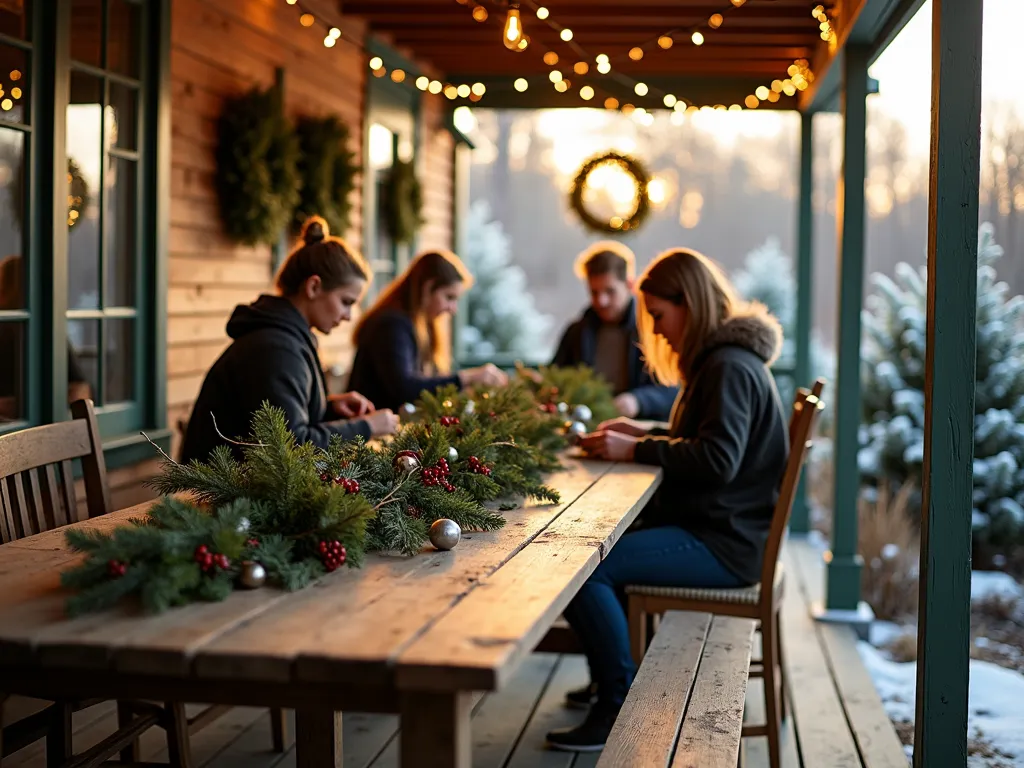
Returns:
(436, 731)
(318, 739)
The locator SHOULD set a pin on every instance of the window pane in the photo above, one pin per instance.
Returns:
(14, 16)
(83, 359)
(87, 31)
(119, 362)
(122, 116)
(84, 157)
(125, 20)
(12, 371)
(14, 99)
(12, 207)
(120, 226)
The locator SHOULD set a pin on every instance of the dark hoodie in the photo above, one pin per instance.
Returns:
(273, 357)
(579, 345)
(726, 450)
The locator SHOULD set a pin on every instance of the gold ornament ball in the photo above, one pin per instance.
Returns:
(445, 534)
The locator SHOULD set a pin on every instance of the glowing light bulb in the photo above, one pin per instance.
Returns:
(669, 100)
(422, 82)
(329, 42)
(335, 33)
(611, 103)
(604, 67)
(586, 93)
(636, 53)
(479, 89)
(542, 13)
(555, 76)
(435, 86)
(738, 3)
(376, 62)
(464, 91)
(581, 67)
(480, 13)
(640, 89)
(665, 41)
(761, 92)
(698, 38)
(513, 27)
(716, 20)
(561, 86)
(601, 58)
(451, 91)
(735, 108)
(524, 43)
(566, 35)
(398, 75)
(16, 92)
(521, 84)
(752, 101)
(306, 19)
(551, 58)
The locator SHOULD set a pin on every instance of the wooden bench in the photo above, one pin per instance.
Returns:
(685, 707)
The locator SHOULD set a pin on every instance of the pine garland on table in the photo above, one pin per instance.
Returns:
(299, 511)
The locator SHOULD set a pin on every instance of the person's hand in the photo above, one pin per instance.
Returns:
(623, 426)
(488, 375)
(612, 446)
(627, 405)
(383, 422)
(350, 404)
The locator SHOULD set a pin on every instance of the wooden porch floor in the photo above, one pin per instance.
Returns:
(836, 718)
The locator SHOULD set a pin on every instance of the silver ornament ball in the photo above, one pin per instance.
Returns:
(406, 464)
(582, 413)
(252, 575)
(470, 408)
(408, 409)
(243, 525)
(453, 455)
(445, 533)
(563, 408)
(575, 431)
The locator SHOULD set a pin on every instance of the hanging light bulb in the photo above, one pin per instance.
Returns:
(513, 27)
(698, 38)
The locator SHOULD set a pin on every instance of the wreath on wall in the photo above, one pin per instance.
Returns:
(78, 189)
(403, 202)
(78, 193)
(257, 176)
(614, 224)
(328, 171)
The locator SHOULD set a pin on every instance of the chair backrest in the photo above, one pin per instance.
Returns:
(802, 393)
(805, 416)
(37, 484)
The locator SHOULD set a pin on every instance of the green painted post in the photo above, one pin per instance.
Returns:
(799, 520)
(844, 566)
(940, 732)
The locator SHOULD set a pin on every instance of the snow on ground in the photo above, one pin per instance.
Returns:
(989, 584)
(995, 697)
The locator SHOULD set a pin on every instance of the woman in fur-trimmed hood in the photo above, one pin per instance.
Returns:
(723, 456)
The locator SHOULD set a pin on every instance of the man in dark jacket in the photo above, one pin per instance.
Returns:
(605, 336)
(273, 358)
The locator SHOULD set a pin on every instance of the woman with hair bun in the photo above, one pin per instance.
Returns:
(273, 356)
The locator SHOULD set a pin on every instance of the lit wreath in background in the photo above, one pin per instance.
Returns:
(614, 224)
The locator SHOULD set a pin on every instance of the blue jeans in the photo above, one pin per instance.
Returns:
(659, 557)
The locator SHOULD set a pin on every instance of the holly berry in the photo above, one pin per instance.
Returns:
(348, 484)
(449, 487)
(478, 467)
(222, 561)
(332, 554)
(116, 568)
(413, 511)
(325, 477)
(493, 415)
(253, 542)
(447, 421)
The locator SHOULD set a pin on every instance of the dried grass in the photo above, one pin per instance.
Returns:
(890, 546)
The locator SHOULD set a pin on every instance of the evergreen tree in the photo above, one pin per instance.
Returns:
(501, 315)
(892, 437)
(767, 276)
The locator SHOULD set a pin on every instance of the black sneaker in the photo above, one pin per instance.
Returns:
(588, 737)
(582, 698)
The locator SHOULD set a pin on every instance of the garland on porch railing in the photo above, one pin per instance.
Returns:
(287, 513)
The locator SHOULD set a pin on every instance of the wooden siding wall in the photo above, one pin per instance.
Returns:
(220, 48)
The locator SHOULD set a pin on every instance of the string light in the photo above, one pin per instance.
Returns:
(521, 84)
(478, 89)
(551, 58)
(422, 82)
(828, 32)
(716, 20)
(604, 67)
(15, 74)
(334, 33)
(291, 2)
(307, 19)
(581, 68)
(738, 3)
(611, 103)
(566, 35)
(554, 76)
(666, 41)
(636, 53)
(434, 87)
(698, 38)
(451, 91)
(752, 102)
(463, 90)
(398, 75)
(480, 13)
(329, 42)
(513, 34)
(669, 100)
(542, 13)
(586, 93)
(562, 86)
(376, 62)
(601, 58)
(761, 93)
(640, 89)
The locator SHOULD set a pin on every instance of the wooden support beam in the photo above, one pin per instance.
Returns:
(799, 520)
(950, 360)
(843, 593)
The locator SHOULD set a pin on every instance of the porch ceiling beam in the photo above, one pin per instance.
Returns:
(625, 39)
(874, 23)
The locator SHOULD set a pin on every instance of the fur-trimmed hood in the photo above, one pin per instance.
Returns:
(752, 328)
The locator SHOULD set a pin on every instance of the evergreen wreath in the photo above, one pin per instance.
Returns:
(403, 202)
(78, 193)
(328, 171)
(257, 176)
(300, 511)
(636, 170)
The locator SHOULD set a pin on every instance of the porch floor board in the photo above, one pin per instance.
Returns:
(509, 727)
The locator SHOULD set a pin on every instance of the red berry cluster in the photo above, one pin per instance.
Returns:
(253, 542)
(116, 568)
(350, 485)
(332, 554)
(438, 475)
(207, 559)
(549, 408)
(413, 512)
(447, 421)
(477, 466)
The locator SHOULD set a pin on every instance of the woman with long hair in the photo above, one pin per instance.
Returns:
(273, 356)
(723, 457)
(402, 347)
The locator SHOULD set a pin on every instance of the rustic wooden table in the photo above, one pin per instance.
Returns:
(417, 636)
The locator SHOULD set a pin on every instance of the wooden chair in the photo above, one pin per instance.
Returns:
(753, 602)
(37, 494)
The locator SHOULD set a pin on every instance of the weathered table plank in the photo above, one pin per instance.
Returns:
(475, 647)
